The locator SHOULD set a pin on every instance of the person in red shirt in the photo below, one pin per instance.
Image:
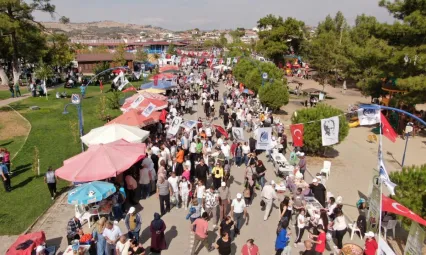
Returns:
(250, 248)
(321, 240)
(370, 244)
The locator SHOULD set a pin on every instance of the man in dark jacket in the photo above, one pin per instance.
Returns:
(202, 171)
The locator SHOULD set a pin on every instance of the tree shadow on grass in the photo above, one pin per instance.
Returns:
(23, 183)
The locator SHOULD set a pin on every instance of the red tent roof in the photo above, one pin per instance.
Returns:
(30, 241)
(134, 118)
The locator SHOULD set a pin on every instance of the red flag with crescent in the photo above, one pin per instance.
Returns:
(155, 80)
(297, 134)
(387, 129)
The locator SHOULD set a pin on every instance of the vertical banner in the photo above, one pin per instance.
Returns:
(297, 134)
(415, 240)
(368, 117)
(238, 133)
(228, 61)
(373, 215)
(174, 127)
(264, 138)
(330, 131)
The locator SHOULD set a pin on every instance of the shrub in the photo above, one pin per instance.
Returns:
(274, 95)
(114, 100)
(312, 131)
(411, 190)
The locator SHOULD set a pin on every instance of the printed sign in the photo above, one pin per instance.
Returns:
(148, 110)
(330, 131)
(373, 215)
(75, 98)
(415, 240)
(264, 138)
(174, 126)
(238, 133)
(137, 101)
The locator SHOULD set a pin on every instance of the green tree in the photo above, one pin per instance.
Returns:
(16, 19)
(277, 36)
(59, 52)
(141, 55)
(253, 79)
(44, 72)
(411, 190)
(99, 68)
(311, 117)
(242, 68)
(274, 95)
(171, 49)
(120, 55)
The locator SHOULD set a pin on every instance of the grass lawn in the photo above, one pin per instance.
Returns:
(5, 94)
(52, 135)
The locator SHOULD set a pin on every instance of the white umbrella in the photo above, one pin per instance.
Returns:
(114, 132)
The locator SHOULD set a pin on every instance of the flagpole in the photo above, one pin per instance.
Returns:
(380, 183)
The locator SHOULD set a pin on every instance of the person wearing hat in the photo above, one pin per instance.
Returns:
(370, 244)
(268, 197)
(217, 173)
(224, 200)
(238, 212)
(133, 224)
(319, 191)
(302, 164)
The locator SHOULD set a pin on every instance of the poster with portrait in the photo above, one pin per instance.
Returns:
(415, 240)
(228, 61)
(174, 126)
(330, 131)
(148, 110)
(238, 133)
(189, 124)
(368, 117)
(264, 138)
(137, 101)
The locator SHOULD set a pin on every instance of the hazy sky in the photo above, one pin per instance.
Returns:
(210, 14)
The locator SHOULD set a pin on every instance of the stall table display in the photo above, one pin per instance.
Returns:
(351, 249)
(82, 250)
(282, 166)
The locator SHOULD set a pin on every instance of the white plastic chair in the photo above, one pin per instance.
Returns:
(326, 168)
(82, 214)
(354, 228)
(390, 225)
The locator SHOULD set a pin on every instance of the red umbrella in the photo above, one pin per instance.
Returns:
(26, 243)
(102, 161)
(221, 130)
(129, 89)
(158, 100)
(133, 117)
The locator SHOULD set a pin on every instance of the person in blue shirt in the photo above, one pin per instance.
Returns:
(4, 171)
(282, 238)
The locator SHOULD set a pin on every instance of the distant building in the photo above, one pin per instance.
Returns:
(87, 62)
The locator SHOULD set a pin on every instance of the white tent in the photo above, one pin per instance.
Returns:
(114, 132)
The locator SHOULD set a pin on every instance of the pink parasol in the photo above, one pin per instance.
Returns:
(102, 161)
(168, 68)
(166, 76)
(144, 99)
(133, 117)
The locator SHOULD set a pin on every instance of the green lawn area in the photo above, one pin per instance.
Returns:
(5, 94)
(14, 144)
(51, 134)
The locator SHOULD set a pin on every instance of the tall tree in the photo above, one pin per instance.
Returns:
(17, 15)
(120, 55)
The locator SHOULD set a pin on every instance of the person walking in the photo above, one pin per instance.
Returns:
(200, 228)
(282, 239)
(164, 191)
(145, 179)
(12, 91)
(340, 226)
(50, 180)
(202, 171)
(224, 200)
(4, 171)
(238, 212)
(319, 191)
(223, 244)
(320, 240)
(17, 90)
(98, 238)
(268, 196)
(217, 174)
(250, 248)
(300, 226)
(174, 185)
(158, 240)
(133, 222)
(184, 188)
(211, 202)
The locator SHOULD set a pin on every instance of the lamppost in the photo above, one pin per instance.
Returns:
(80, 117)
(407, 132)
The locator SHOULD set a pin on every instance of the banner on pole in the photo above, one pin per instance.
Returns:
(330, 131)
(384, 248)
(238, 133)
(373, 215)
(264, 138)
(368, 117)
(174, 127)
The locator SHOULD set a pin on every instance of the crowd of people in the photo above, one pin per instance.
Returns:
(192, 171)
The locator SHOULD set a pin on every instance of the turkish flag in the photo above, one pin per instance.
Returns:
(221, 130)
(155, 80)
(163, 116)
(389, 205)
(387, 129)
(297, 134)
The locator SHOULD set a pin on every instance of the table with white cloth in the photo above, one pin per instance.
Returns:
(69, 251)
(282, 166)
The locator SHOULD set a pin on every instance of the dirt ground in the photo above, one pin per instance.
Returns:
(11, 124)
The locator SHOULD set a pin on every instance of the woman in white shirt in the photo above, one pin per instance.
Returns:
(184, 188)
(199, 192)
(246, 151)
(330, 207)
(339, 225)
(300, 226)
